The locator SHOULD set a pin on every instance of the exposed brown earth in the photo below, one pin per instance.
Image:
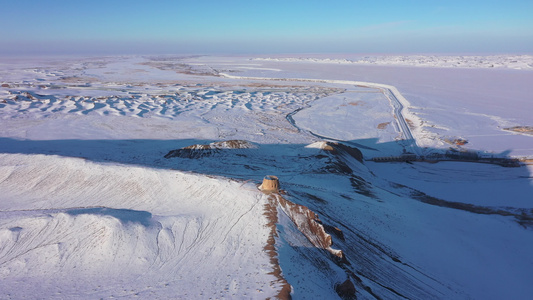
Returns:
(357, 103)
(456, 141)
(383, 125)
(527, 161)
(521, 129)
(271, 212)
(410, 123)
(202, 150)
(339, 149)
(309, 224)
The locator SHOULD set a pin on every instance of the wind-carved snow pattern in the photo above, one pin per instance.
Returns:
(91, 208)
(166, 104)
(167, 223)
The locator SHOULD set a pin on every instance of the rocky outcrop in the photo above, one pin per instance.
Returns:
(521, 129)
(310, 225)
(341, 157)
(272, 217)
(203, 150)
(346, 290)
(338, 149)
(341, 149)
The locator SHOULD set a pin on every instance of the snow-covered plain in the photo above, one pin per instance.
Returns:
(90, 208)
(441, 61)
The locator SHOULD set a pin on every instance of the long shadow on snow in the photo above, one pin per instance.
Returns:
(123, 215)
(320, 180)
(287, 161)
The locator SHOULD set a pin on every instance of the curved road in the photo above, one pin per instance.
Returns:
(408, 139)
(394, 96)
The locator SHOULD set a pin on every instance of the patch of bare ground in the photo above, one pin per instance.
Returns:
(456, 141)
(318, 233)
(383, 125)
(527, 161)
(341, 149)
(356, 103)
(410, 123)
(521, 129)
(310, 225)
(271, 213)
(203, 150)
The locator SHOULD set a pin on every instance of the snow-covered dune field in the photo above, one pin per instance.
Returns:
(137, 177)
(472, 103)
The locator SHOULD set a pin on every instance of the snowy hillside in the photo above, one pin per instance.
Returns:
(137, 177)
(73, 227)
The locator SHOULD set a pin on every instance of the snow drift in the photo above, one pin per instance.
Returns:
(73, 227)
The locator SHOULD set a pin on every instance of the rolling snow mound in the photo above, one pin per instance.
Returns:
(71, 226)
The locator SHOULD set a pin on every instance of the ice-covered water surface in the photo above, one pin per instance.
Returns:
(88, 195)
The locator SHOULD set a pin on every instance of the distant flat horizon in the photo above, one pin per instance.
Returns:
(11, 57)
(278, 27)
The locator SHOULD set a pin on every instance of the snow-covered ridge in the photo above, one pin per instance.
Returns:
(521, 62)
(201, 150)
(122, 227)
(91, 209)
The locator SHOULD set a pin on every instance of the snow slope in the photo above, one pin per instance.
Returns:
(91, 208)
(79, 229)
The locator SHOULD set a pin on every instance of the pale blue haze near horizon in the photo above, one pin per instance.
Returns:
(253, 27)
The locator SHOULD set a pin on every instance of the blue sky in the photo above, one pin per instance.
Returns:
(234, 26)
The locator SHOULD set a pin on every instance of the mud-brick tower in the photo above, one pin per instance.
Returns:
(270, 184)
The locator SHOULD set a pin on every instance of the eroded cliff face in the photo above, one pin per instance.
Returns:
(271, 212)
(341, 149)
(319, 234)
(338, 149)
(203, 150)
(309, 224)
